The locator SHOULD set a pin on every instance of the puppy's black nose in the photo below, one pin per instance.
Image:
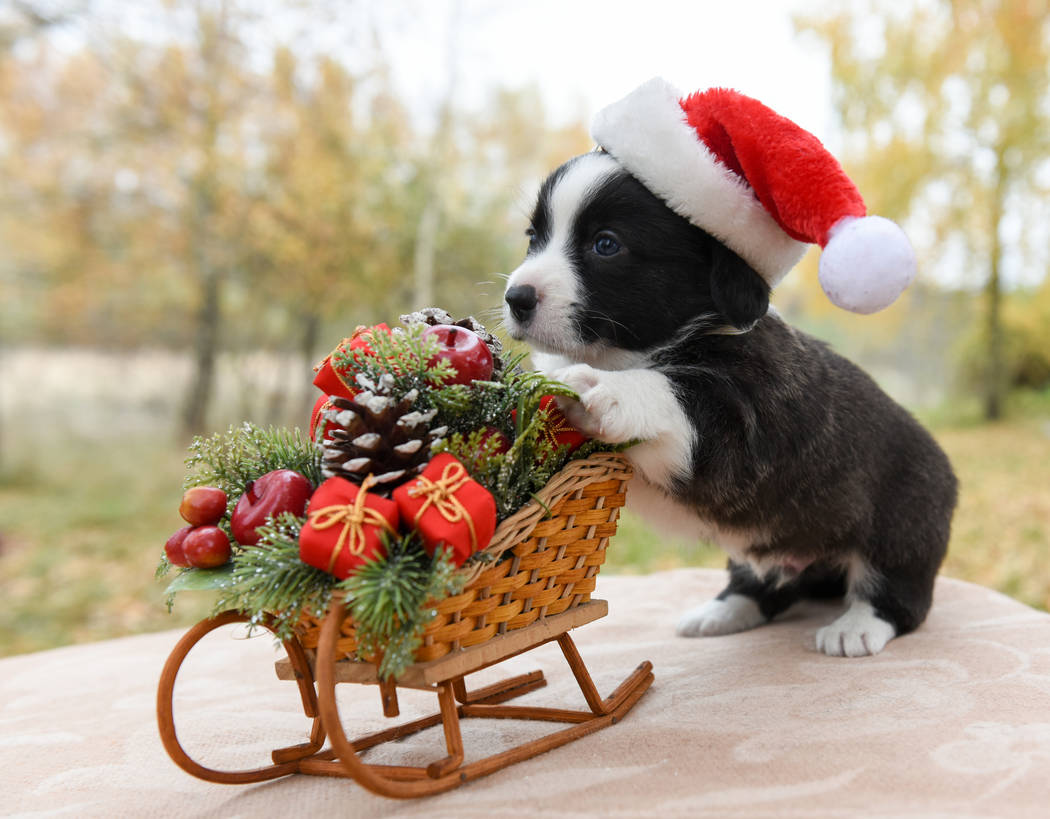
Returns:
(522, 300)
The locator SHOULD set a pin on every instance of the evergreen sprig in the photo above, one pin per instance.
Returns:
(270, 579)
(243, 453)
(513, 477)
(387, 599)
(491, 403)
(407, 355)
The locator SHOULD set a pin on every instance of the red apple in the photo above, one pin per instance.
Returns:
(174, 547)
(464, 350)
(206, 547)
(282, 490)
(203, 505)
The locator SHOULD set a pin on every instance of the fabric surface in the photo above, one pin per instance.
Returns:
(953, 720)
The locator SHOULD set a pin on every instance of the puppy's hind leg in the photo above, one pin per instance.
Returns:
(868, 624)
(746, 602)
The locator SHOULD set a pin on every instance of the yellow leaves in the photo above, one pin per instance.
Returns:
(950, 116)
(135, 171)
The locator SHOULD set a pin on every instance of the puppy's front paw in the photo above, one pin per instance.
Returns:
(857, 633)
(580, 378)
(735, 613)
(598, 412)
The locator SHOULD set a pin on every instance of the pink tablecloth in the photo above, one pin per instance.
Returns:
(951, 721)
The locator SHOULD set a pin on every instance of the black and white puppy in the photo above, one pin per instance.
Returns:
(754, 435)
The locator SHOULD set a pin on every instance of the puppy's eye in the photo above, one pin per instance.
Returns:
(606, 244)
(531, 233)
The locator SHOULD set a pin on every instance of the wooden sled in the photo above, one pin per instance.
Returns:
(544, 563)
(444, 676)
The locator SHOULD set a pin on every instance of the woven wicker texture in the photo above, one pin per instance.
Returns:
(549, 562)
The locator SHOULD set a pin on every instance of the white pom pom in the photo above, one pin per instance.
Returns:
(866, 263)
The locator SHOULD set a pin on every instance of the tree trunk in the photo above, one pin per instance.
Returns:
(203, 205)
(205, 351)
(308, 357)
(995, 375)
(426, 246)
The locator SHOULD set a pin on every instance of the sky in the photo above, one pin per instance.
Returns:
(581, 54)
(584, 55)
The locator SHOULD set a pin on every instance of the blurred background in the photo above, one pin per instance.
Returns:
(198, 200)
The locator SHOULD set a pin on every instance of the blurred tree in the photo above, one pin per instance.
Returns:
(21, 19)
(123, 176)
(946, 114)
(182, 181)
(187, 103)
(1026, 353)
(319, 240)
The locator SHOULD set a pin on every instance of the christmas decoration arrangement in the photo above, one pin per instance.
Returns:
(424, 438)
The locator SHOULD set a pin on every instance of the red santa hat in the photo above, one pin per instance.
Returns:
(759, 183)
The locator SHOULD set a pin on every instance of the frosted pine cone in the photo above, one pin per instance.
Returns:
(381, 436)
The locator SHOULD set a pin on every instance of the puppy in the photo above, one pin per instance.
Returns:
(751, 434)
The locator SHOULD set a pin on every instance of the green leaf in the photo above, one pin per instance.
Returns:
(202, 579)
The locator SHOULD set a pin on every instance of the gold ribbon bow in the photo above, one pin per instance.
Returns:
(441, 495)
(353, 516)
(560, 425)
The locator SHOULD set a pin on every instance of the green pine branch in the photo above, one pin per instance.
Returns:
(243, 453)
(269, 579)
(387, 599)
(406, 355)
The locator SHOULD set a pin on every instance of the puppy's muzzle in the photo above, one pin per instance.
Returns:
(522, 300)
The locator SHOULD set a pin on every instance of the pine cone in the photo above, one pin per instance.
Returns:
(435, 315)
(381, 436)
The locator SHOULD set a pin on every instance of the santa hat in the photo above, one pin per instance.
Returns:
(759, 183)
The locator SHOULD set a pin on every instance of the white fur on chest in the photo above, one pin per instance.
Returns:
(643, 404)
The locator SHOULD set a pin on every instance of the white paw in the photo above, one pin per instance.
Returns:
(734, 613)
(857, 633)
(598, 412)
(578, 377)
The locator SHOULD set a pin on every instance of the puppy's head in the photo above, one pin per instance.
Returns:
(610, 266)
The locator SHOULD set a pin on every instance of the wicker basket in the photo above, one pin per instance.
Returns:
(553, 564)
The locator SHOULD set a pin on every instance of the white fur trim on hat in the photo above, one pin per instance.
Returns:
(648, 134)
(866, 263)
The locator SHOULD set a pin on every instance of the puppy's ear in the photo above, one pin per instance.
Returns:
(739, 293)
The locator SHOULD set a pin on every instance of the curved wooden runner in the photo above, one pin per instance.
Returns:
(454, 701)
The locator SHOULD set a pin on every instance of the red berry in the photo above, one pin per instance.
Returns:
(174, 547)
(501, 442)
(203, 505)
(465, 350)
(206, 547)
(283, 490)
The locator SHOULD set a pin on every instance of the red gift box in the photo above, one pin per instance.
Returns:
(448, 508)
(558, 430)
(336, 381)
(344, 527)
(323, 402)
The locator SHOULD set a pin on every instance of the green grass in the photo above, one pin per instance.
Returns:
(83, 522)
